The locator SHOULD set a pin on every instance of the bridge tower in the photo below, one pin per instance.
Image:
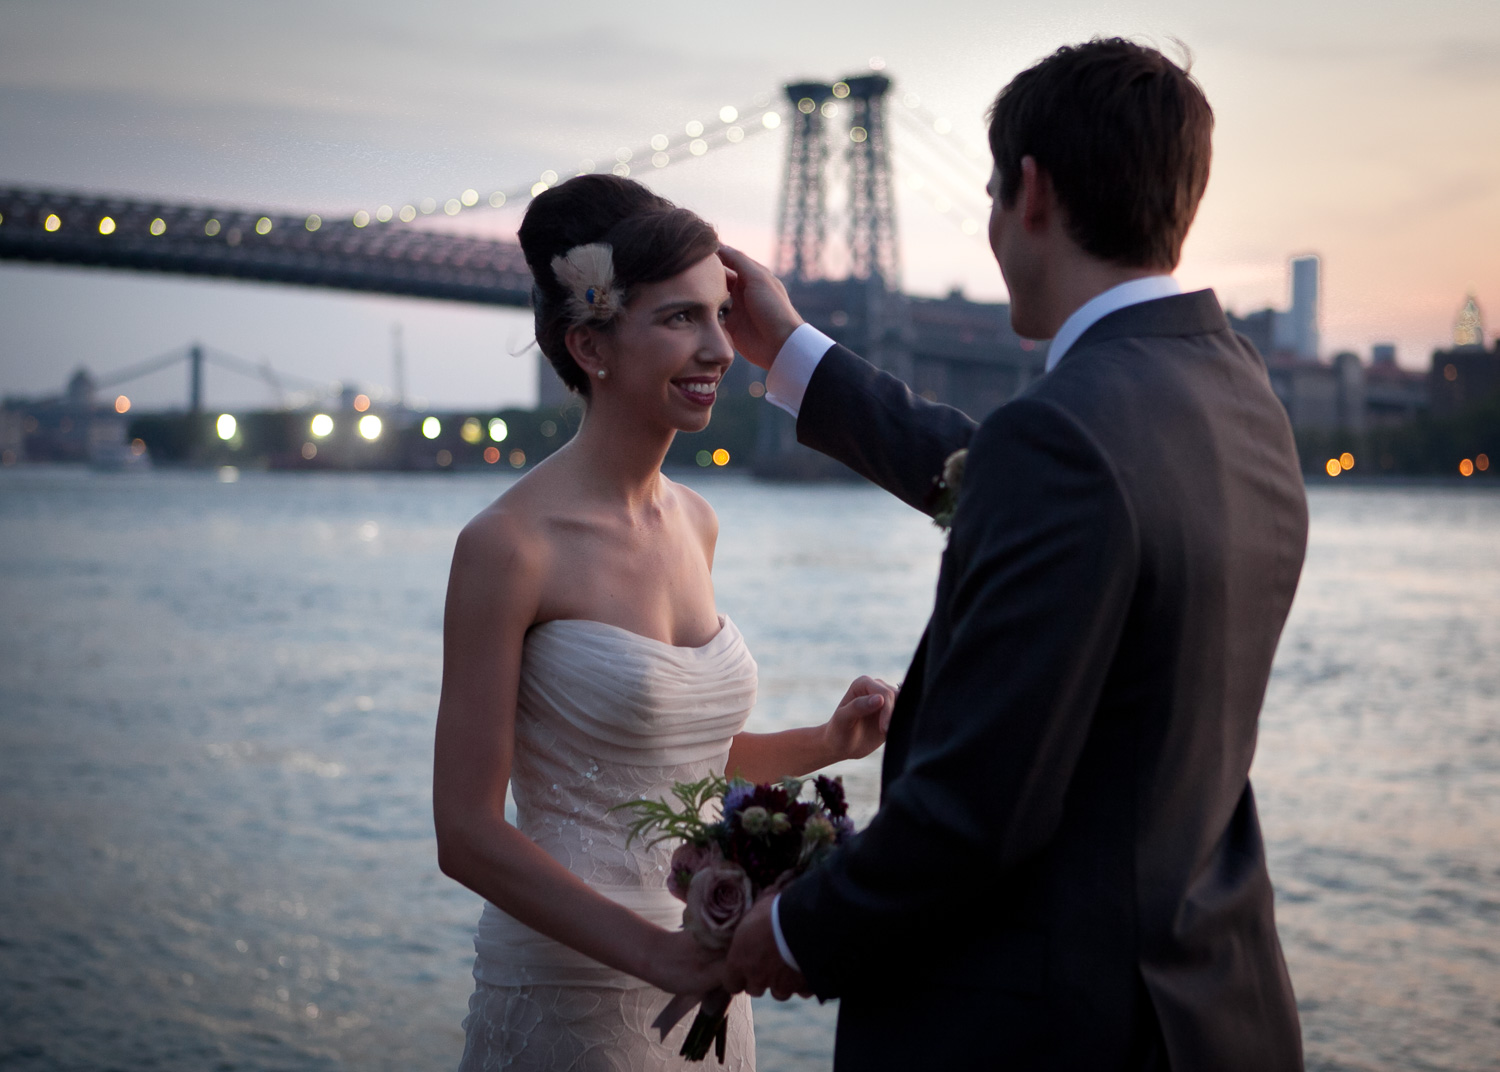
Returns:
(864, 308)
(195, 379)
(873, 251)
(803, 226)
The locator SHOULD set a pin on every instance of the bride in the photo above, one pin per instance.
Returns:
(585, 663)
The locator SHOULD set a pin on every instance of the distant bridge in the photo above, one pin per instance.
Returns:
(49, 226)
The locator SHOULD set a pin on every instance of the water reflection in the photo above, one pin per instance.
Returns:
(215, 731)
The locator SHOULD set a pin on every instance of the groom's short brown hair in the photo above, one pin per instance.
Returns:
(1123, 133)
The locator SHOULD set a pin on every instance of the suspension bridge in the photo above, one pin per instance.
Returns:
(837, 249)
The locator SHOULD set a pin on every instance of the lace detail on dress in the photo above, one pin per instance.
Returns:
(603, 716)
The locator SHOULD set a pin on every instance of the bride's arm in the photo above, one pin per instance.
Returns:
(856, 729)
(494, 589)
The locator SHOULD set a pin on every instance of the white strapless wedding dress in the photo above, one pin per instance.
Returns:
(603, 716)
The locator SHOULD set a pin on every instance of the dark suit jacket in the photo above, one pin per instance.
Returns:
(1066, 870)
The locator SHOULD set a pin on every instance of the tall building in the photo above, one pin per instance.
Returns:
(1303, 315)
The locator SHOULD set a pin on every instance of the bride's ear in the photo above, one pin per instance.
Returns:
(583, 344)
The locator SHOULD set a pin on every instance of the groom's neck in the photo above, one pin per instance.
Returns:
(1071, 277)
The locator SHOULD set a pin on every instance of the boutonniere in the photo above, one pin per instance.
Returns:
(945, 487)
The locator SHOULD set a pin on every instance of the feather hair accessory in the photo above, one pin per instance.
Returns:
(588, 274)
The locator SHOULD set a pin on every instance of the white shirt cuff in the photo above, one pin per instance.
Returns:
(781, 946)
(790, 373)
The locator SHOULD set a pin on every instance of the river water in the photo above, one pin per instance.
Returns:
(216, 710)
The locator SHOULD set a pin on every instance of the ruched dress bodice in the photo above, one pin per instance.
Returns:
(605, 716)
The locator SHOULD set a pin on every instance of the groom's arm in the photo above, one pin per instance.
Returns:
(1044, 552)
(874, 423)
(845, 407)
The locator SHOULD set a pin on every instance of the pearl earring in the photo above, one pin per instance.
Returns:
(601, 374)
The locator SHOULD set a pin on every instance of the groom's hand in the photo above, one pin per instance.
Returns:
(754, 965)
(762, 317)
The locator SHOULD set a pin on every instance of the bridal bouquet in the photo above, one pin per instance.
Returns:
(757, 839)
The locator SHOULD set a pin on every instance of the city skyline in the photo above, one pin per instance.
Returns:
(1344, 132)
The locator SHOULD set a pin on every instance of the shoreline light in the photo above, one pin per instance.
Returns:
(369, 427)
(226, 426)
(498, 430)
(321, 425)
(432, 428)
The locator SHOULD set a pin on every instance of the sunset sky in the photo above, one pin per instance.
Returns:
(1363, 132)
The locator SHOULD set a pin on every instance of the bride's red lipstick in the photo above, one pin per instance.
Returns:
(698, 397)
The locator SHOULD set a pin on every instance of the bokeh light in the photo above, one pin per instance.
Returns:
(432, 427)
(226, 426)
(369, 426)
(498, 430)
(321, 425)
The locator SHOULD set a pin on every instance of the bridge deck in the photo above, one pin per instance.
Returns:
(385, 258)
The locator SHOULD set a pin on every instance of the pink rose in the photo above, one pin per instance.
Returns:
(687, 861)
(718, 898)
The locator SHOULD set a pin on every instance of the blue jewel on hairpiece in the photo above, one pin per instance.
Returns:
(589, 295)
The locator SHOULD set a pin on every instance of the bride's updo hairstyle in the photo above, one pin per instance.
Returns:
(650, 239)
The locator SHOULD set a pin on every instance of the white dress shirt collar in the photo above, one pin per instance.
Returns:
(1131, 292)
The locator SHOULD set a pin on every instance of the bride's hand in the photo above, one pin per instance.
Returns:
(858, 726)
(679, 964)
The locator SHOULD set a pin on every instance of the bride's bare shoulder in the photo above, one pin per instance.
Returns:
(513, 529)
(700, 516)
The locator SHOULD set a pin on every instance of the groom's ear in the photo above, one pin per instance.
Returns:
(1037, 197)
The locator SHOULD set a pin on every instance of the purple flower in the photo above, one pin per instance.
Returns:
(687, 861)
(831, 790)
(739, 792)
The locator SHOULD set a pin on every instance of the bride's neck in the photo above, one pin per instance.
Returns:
(619, 458)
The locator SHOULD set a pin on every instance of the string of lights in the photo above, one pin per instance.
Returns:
(731, 125)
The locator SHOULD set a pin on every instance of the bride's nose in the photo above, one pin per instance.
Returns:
(717, 346)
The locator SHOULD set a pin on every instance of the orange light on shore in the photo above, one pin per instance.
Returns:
(1334, 467)
(721, 456)
(1346, 460)
(361, 403)
(1466, 467)
(517, 458)
(492, 454)
(1481, 462)
(122, 404)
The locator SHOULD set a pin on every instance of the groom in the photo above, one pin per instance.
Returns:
(1066, 870)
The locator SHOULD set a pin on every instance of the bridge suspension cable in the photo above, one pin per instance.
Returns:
(731, 125)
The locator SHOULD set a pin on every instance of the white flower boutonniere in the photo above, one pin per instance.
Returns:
(945, 488)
